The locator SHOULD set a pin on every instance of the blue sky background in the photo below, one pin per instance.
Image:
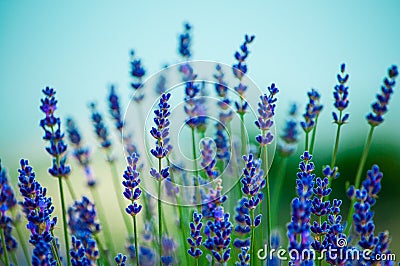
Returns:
(80, 47)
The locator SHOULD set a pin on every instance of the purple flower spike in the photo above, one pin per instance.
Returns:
(120, 259)
(161, 131)
(287, 145)
(379, 108)
(340, 94)
(313, 108)
(266, 111)
(185, 40)
(137, 74)
(299, 233)
(80, 152)
(131, 183)
(38, 209)
(99, 127)
(239, 70)
(218, 234)
(53, 134)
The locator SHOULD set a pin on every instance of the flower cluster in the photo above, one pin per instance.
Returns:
(218, 234)
(266, 111)
(137, 74)
(340, 94)
(225, 116)
(208, 161)
(161, 131)
(120, 259)
(194, 107)
(252, 183)
(185, 41)
(7, 203)
(239, 70)
(313, 108)
(115, 112)
(82, 219)
(80, 152)
(169, 247)
(289, 138)
(379, 108)
(299, 227)
(195, 238)
(84, 226)
(99, 127)
(52, 133)
(131, 183)
(38, 209)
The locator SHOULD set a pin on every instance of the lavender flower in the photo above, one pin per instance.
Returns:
(146, 256)
(120, 259)
(195, 238)
(252, 184)
(169, 247)
(38, 209)
(80, 152)
(7, 203)
(218, 234)
(100, 127)
(244, 257)
(115, 112)
(208, 162)
(161, 86)
(289, 138)
(313, 108)
(363, 216)
(131, 183)
(299, 233)
(137, 74)
(266, 111)
(194, 108)
(77, 252)
(52, 133)
(379, 108)
(185, 41)
(161, 133)
(340, 95)
(239, 70)
(82, 220)
(212, 199)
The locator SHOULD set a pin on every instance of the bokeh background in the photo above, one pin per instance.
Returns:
(81, 47)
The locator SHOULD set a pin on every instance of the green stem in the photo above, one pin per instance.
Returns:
(118, 192)
(21, 238)
(252, 262)
(306, 144)
(103, 220)
(14, 258)
(64, 218)
(54, 250)
(181, 217)
(3, 243)
(313, 135)
(268, 197)
(280, 179)
(358, 177)
(243, 134)
(136, 242)
(71, 189)
(335, 150)
(197, 182)
(102, 250)
(159, 214)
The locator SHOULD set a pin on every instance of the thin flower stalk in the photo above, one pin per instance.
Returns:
(53, 134)
(374, 118)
